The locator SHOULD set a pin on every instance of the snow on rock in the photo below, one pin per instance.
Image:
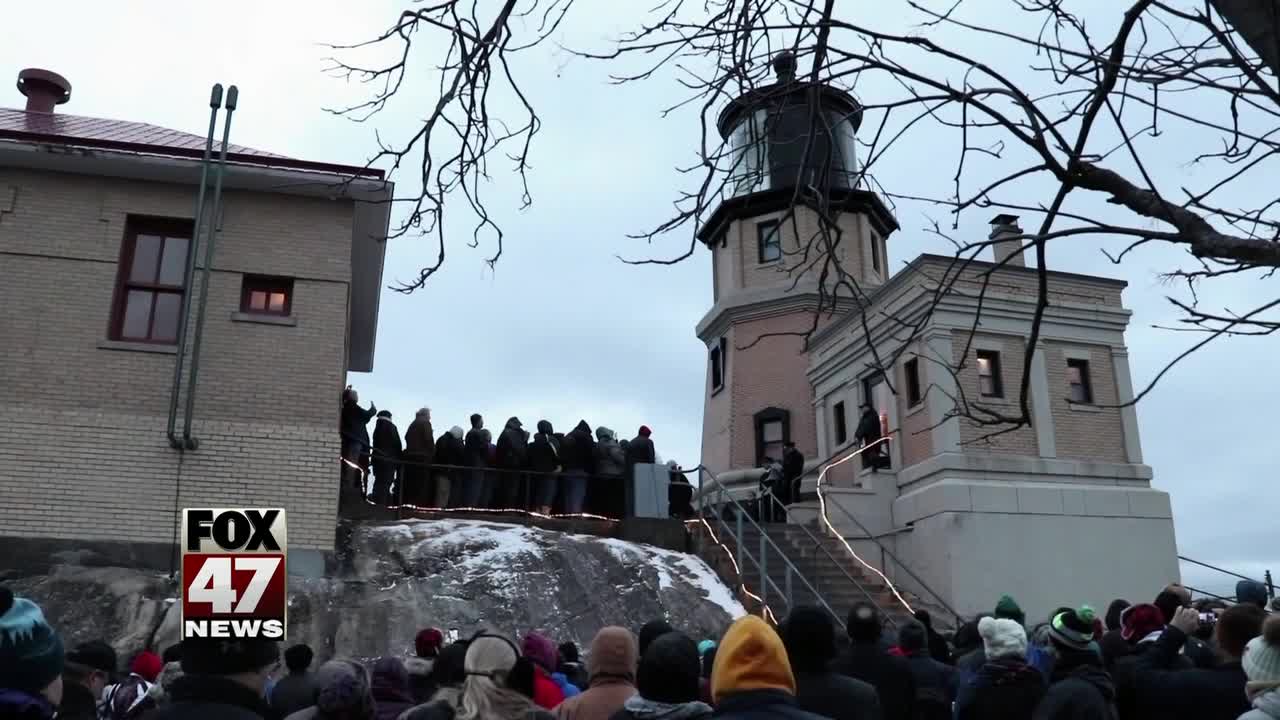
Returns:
(453, 574)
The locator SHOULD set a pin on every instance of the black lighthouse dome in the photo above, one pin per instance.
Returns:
(768, 131)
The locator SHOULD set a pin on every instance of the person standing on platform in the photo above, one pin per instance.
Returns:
(387, 455)
(419, 450)
(477, 493)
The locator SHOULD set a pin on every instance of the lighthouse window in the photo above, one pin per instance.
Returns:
(769, 241)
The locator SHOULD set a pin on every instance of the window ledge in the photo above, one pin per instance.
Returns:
(138, 347)
(916, 409)
(286, 320)
(717, 390)
(1077, 407)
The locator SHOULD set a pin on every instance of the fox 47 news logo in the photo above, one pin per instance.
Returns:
(233, 573)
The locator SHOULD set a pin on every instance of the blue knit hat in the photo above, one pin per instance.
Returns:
(30, 650)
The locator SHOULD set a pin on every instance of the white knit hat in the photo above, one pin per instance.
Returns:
(1261, 659)
(1002, 638)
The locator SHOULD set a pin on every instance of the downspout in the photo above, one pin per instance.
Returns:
(215, 103)
(189, 442)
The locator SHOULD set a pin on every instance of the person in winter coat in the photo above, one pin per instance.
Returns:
(612, 669)
(426, 648)
(1079, 687)
(1252, 592)
(419, 480)
(752, 677)
(935, 681)
(131, 697)
(221, 681)
(867, 434)
(939, 649)
(1204, 694)
(1140, 627)
(297, 690)
(1196, 650)
(640, 450)
(578, 455)
(1112, 643)
(31, 661)
(513, 459)
(607, 493)
(86, 673)
(651, 631)
(452, 456)
(390, 687)
(388, 452)
(667, 683)
(809, 637)
(487, 693)
(343, 693)
(538, 648)
(1005, 687)
(478, 493)
(354, 434)
(1261, 664)
(544, 460)
(868, 661)
(571, 665)
(792, 471)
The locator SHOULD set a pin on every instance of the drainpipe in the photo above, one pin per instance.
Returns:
(215, 103)
(189, 442)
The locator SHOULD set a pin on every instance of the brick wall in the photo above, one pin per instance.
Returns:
(915, 441)
(1085, 433)
(1024, 284)
(1017, 442)
(83, 429)
(742, 233)
(770, 374)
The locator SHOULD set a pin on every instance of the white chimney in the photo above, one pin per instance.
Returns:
(1006, 226)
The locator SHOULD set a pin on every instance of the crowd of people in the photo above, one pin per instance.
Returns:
(574, 472)
(1170, 658)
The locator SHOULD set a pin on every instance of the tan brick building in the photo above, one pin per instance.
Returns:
(967, 512)
(96, 221)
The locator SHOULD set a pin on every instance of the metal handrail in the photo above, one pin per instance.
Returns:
(817, 543)
(765, 542)
(1265, 582)
(871, 536)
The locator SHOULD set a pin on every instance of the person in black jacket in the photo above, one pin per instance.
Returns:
(478, 492)
(297, 690)
(866, 435)
(640, 450)
(222, 681)
(450, 457)
(387, 454)
(1079, 687)
(939, 649)
(545, 462)
(86, 671)
(1213, 694)
(1197, 651)
(420, 481)
(867, 660)
(809, 636)
(792, 471)
(1005, 687)
(935, 681)
(752, 677)
(579, 458)
(354, 433)
(513, 459)
(667, 682)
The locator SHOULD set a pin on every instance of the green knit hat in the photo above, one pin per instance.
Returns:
(1007, 609)
(30, 650)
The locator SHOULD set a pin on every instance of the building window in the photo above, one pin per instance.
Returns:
(773, 431)
(1078, 386)
(151, 283)
(989, 379)
(912, 371)
(841, 425)
(716, 359)
(266, 295)
(768, 241)
(875, 253)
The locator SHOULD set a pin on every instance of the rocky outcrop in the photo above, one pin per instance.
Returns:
(453, 574)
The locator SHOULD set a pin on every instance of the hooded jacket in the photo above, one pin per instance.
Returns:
(390, 685)
(612, 667)
(547, 693)
(1003, 689)
(449, 450)
(544, 451)
(419, 441)
(752, 678)
(386, 442)
(610, 459)
(579, 449)
(640, 450)
(1080, 690)
(513, 451)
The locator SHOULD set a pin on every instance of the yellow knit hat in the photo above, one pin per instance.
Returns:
(751, 657)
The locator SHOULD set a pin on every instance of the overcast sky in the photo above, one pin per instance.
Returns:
(564, 331)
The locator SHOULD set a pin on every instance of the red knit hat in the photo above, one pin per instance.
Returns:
(1139, 621)
(148, 665)
(428, 641)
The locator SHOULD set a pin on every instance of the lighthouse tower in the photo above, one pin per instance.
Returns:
(792, 152)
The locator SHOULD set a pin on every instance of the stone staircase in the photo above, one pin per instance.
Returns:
(826, 565)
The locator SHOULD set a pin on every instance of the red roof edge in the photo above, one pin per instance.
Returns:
(193, 153)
